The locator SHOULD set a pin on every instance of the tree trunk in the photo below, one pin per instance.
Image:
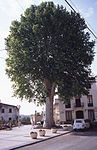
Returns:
(49, 113)
(50, 87)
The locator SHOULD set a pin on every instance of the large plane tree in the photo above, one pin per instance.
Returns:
(49, 48)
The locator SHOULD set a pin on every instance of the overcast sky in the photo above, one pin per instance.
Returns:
(11, 10)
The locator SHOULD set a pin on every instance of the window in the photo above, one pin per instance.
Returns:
(91, 115)
(90, 100)
(68, 105)
(3, 110)
(78, 102)
(79, 114)
(68, 115)
(10, 110)
(9, 119)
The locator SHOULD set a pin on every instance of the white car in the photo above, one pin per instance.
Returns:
(79, 124)
(38, 125)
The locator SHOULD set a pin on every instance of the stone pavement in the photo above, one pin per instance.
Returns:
(18, 137)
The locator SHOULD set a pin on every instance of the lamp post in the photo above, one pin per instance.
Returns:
(18, 106)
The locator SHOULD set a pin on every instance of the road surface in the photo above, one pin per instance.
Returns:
(73, 141)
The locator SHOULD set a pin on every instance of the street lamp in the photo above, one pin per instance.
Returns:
(18, 106)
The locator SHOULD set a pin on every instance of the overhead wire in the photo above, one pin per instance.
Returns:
(91, 30)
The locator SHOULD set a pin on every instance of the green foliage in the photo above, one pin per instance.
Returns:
(25, 119)
(49, 43)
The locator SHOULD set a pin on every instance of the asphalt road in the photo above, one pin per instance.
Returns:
(73, 141)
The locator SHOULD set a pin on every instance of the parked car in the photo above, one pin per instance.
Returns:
(38, 125)
(79, 124)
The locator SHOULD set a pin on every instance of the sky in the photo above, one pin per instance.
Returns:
(11, 10)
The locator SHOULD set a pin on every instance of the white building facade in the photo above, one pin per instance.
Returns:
(84, 107)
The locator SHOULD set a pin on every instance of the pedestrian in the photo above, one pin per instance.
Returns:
(32, 122)
(19, 124)
(10, 124)
(42, 122)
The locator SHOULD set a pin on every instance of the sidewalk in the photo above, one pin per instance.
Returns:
(18, 137)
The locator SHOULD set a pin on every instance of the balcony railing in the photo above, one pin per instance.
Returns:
(90, 104)
(79, 104)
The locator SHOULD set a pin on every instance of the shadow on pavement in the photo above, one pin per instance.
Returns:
(90, 132)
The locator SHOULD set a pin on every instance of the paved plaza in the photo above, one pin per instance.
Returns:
(18, 137)
(80, 140)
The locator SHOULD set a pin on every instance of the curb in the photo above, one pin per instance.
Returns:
(40, 141)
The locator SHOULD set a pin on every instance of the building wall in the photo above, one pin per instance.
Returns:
(94, 93)
(65, 112)
(6, 115)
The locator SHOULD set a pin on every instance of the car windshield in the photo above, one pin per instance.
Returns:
(38, 123)
(78, 121)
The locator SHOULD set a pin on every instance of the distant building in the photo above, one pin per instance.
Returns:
(79, 107)
(37, 117)
(8, 112)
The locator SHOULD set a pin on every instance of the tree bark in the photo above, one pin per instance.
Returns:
(49, 113)
(50, 87)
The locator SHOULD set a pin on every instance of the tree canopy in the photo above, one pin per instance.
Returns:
(49, 44)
